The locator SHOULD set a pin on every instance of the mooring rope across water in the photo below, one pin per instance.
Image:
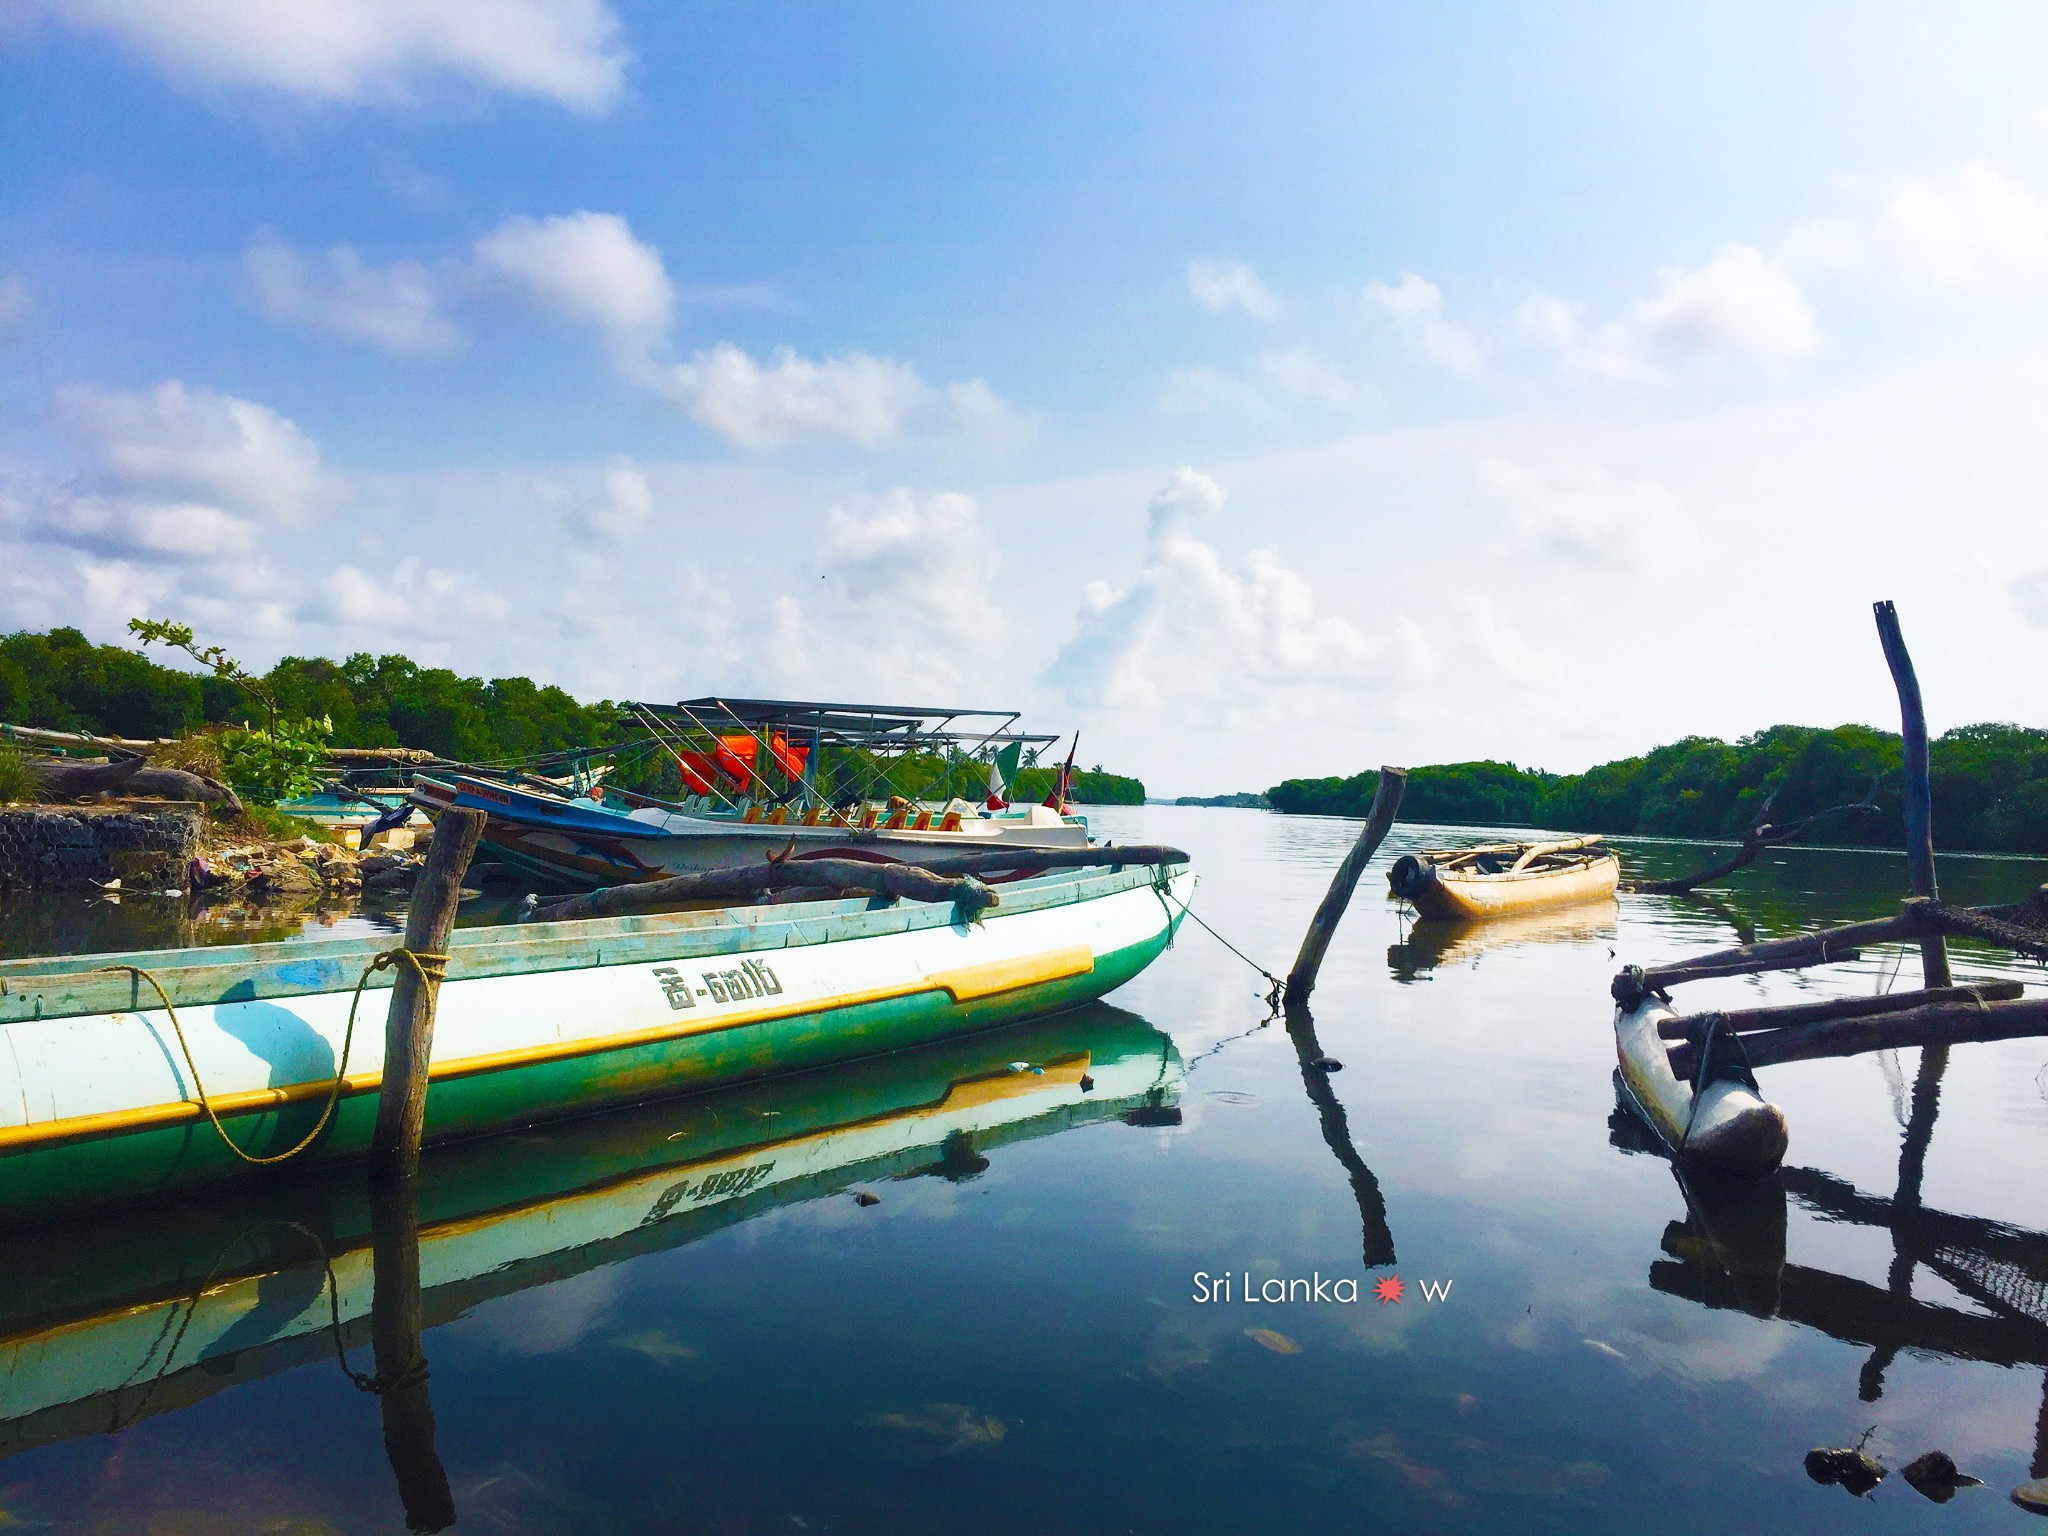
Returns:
(1279, 986)
(430, 967)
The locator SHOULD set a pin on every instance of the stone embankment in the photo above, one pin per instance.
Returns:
(143, 847)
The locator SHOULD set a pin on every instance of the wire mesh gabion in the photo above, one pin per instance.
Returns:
(47, 847)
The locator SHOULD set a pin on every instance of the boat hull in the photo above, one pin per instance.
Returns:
(577, 845)
(96, 1104)
(1456, 897)
(1732, 1128)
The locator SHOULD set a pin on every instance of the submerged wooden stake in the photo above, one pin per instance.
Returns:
(409, 1027)
(1919, 796)
(1386, 801)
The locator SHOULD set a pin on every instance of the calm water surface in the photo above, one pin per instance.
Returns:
(681, 1319)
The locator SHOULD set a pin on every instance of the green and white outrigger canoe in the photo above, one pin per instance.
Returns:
(98, 1104)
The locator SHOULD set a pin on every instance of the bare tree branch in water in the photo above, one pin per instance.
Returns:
(1759, 837)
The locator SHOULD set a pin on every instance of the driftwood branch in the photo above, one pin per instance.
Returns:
(58, 780)
(817, 876)
(1758, 838)
(360, 756)
(1750, 1020)
(1386, 802)
(1936, 1024)
(942, 876)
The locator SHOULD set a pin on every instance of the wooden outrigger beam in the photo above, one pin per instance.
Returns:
(1751, 1020)
(2008, 927)
(1933, 1024)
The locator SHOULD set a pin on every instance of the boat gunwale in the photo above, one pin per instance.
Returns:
(74, 986)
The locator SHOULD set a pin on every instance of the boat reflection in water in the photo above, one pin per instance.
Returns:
(130, 1314)
(1432, 943)
(1730, 1252)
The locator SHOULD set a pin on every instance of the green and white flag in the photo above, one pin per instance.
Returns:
(1002, 770)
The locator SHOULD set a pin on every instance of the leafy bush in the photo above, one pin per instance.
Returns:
(17, 780)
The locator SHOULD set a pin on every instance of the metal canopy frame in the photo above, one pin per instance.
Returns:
(903, 726)
(882, 732)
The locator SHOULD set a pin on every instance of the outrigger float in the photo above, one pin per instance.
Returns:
(104, 1097)
(1500, 879)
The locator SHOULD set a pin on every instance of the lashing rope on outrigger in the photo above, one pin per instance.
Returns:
(431, 969)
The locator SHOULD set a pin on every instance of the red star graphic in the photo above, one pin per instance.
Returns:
(1388, 1289)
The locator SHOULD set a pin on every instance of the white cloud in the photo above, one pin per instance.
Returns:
(1217, 284)
(1275, 384)
(1740, 304)
(1191, 634)
(592, 269)
(788, 400)
(1971, 225)
(909, 600)
(584, 266)
(1582, 516)
(1416, 307)
(411, 601)
(179, 442)
(397, 307)
(357, 51)
(624, 503)
(120, 525)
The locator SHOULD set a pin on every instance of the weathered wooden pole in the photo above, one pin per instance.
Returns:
(409, 1027)
(1919, 796)
(401, 1379)
(1386, 801)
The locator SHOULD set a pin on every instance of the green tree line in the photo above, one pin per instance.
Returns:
(62, 681)
(1990, 785)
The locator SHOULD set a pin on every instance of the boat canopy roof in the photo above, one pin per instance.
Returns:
(888, 727)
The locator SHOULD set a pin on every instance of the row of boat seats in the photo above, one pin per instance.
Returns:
(902, 819)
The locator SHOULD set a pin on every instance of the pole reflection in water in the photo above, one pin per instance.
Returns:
(396, 1321)
(1378, 1239)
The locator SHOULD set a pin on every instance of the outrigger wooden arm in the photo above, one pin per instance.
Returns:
(2014, 928)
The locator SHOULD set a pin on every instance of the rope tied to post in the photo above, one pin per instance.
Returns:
(431, 968)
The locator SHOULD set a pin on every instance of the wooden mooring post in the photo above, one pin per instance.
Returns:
(1919, 796)
(1386, 802)
(409, 1027)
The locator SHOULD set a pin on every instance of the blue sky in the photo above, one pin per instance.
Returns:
(1261, 389)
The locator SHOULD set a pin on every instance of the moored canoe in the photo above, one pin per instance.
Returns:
(97, 1102)
(1469, 884)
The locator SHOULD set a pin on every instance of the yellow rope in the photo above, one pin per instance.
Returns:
(430, 967)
